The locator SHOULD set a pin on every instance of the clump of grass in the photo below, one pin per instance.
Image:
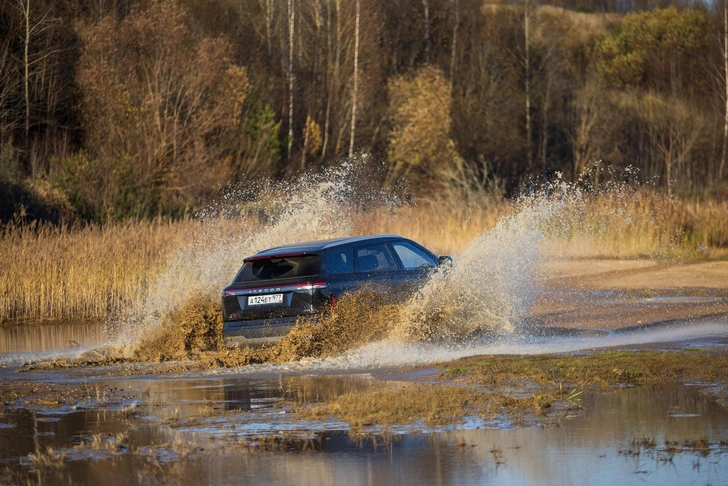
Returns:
(129, 410)
(47, 459)
(605, 368)
(408, 403)
(646, 442)
(455, 371)
(397, 404)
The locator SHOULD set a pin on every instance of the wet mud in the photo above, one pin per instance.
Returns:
(514, 367)
(187, 429)
(184, 411)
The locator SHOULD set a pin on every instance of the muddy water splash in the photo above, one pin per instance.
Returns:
(317, 206)
(490, 287)
(487, 291)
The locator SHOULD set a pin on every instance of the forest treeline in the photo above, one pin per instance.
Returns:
(111, 109)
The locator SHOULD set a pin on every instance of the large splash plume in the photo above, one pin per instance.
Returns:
(244, 221)
(487, 291)
(490, 287)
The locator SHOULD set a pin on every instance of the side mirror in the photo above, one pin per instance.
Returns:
(444, 261)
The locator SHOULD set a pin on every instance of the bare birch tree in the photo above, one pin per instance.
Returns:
(527, 81)
(356, 82)
(327, 117)
(453, 50)
(588, 135)
(426, 7)
(291, 29)
(268, 8)
(9, 84)
(721, 169)
(35, 24)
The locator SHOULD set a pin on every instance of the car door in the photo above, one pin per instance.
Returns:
(369, 267)
(415, 263)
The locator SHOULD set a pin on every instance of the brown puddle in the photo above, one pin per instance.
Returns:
(216, 427)
(229, 430)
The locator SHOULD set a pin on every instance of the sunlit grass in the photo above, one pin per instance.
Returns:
(638, 224)
(59, 272)
(95, 271)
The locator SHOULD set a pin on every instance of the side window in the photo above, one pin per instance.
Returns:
(412, 257)
(339, 261)
(374, 258)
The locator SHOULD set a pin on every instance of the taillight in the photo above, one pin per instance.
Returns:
(311, 286)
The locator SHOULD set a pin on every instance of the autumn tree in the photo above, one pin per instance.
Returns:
(669, 130)
(420, 147)
(36, 80)
(162, 108)
(488, 93)
(589, 134)
(659, 49)
(9, 87)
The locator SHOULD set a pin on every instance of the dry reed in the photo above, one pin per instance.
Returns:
(639, 224)
(60, 272)
(95, 271)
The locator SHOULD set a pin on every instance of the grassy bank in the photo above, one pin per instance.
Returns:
(515, 386)
(51, 272)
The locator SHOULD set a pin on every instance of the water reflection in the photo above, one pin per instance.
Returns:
(601, 447)
(40, 337)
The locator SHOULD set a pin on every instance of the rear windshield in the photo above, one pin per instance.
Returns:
(273, 268)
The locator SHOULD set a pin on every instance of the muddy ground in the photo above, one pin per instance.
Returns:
(583, 296)
(593, 300)
(628, 293)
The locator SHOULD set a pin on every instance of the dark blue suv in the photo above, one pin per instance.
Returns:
(276, 286)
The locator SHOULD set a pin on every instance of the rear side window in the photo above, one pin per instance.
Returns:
(412, 257)
(339, 261)
(274, 268)
(374, 258)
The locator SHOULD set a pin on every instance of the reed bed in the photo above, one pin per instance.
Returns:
(95, 271)
(81, 272)
(444, 228)
(639, 224)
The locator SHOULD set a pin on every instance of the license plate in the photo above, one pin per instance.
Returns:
(265, 299)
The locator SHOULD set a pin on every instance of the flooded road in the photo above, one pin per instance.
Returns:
(142, 423)
(670, 434)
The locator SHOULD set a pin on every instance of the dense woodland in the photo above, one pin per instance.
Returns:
(111, 109)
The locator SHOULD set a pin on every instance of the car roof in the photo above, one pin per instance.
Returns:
(315, 246)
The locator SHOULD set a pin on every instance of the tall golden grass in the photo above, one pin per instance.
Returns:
(445, 228)
(639, 224)
(60, 272)
(95, 271)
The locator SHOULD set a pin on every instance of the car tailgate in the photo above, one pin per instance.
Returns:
(284, 298)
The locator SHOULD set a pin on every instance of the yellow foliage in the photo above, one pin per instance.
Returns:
(238, 87)
(420, 136)
(651, 37)
(313, 136)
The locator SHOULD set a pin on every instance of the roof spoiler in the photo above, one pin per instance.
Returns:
(270, 257)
